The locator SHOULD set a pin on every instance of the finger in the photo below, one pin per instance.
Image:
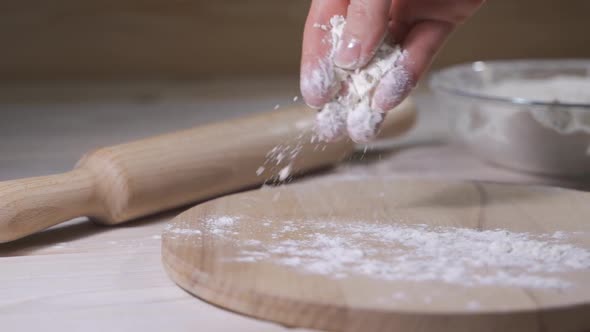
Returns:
(363, 123)
(317, 71)
(420, 46)
(366, 24)
(397, 31)
(398, 26)
(331, 122)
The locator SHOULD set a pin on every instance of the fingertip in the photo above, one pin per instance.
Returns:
(318, 83)
(363, 123)
(394, 87)
(331, 123)
(421, 44)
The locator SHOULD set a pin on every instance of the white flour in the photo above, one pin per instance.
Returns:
(390, 251)
(280, 159)
(553, 140)
(351, 108)
(564, 89)
(285, 173)
(220, 226)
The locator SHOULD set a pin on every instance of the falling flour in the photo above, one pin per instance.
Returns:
(285, 173)
(417, 253)
(260, 170)
(280, 159)
(351, 108)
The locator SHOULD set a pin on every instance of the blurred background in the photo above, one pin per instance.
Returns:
(80, 74)
(199, 39)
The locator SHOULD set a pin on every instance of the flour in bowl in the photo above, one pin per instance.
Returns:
(559, 89)
(548, 139)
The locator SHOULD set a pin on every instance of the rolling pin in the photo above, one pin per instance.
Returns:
(116, 184)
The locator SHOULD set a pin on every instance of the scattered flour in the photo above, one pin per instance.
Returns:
(458, 256)
(285, 173)
(220, 226)
(260, 170)
(351, 108)
(280, 160)
(182, 231)
(221, 222)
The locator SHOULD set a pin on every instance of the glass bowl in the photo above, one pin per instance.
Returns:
(532, 135)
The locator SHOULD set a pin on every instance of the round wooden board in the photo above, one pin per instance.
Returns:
(257, 253)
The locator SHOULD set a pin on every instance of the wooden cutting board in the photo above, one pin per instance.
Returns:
(398, 255)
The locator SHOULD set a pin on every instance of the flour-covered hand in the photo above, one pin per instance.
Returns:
(419, 26)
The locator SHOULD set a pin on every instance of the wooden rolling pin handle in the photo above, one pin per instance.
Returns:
(124, 182)
(31, 205)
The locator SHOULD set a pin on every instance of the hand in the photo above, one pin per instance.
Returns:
(420, 26)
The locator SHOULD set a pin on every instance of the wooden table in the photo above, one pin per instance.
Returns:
(82, 276)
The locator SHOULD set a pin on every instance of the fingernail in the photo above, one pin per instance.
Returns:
(348, 53)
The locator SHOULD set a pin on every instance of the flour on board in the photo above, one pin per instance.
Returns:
(389, 251)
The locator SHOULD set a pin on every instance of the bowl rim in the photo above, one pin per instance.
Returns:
(436, 82)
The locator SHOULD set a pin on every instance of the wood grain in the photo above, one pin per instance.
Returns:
(207, 265)
(81, 276)
(179, 39)
(112, 277)
(124, 182)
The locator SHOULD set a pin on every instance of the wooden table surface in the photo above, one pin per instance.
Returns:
(82, 276)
